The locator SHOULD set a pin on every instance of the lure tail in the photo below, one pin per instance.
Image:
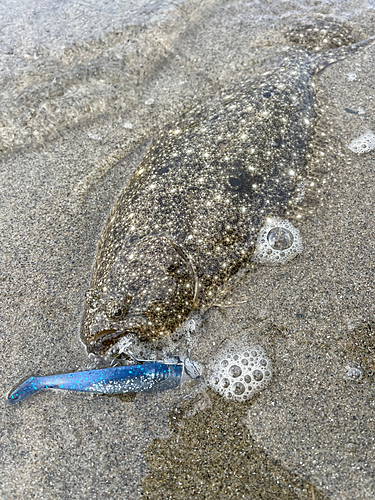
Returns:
(31, 386)
(64, 381)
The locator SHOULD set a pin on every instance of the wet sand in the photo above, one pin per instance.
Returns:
(312, 428)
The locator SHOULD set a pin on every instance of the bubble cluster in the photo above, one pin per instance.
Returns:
(363, 144)
(278, 242)
(239, 371)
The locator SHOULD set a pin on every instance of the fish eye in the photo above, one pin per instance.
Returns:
(280, 238)
(116, 309)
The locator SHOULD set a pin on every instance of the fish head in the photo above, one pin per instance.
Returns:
(149, 291)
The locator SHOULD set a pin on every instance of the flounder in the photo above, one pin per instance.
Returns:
(188, 219)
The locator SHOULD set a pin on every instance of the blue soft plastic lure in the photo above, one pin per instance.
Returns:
(147, 377)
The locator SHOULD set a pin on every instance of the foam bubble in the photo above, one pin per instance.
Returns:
(351, 77)
(239, 371)
(355, 372)
(278, 242)
(363, 144)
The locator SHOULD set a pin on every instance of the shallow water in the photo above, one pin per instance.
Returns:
(85, 88)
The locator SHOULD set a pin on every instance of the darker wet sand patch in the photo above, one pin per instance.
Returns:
(211, 455)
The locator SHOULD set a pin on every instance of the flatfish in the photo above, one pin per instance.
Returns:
(189, 217)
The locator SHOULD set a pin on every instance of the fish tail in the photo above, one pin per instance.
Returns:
(327, 40)
(321, 60)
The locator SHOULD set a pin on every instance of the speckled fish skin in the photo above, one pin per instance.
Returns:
(189, 218)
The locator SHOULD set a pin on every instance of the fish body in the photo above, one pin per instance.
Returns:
(147, 377)
(188, 219)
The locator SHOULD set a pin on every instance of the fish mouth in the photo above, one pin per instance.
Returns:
(100, 335)
(105, 339)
